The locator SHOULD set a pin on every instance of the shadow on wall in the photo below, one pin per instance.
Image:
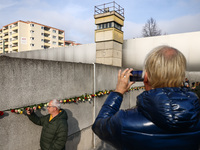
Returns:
(4, 115)
(74, 134)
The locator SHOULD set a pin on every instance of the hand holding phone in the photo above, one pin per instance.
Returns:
(137, 76)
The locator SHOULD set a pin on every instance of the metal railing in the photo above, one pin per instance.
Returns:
(108, 7)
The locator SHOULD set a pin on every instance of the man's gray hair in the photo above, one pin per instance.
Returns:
(56, 103)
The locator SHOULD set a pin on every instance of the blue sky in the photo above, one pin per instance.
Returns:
(76, 17)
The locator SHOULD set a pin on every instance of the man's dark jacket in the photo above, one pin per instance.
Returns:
(163, 119)
(54, 133)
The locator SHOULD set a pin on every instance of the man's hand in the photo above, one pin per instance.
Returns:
(29, 111)
(123, 83)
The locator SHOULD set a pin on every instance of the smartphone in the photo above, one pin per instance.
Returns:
(137, 76)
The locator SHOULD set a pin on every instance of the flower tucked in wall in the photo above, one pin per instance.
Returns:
(82, 98)
(1, 113)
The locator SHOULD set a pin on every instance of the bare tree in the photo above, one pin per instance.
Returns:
(151, 28)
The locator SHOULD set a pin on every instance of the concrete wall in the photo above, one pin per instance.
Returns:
(81, 53)
(28, 81)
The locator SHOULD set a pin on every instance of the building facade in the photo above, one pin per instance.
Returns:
(25, 36)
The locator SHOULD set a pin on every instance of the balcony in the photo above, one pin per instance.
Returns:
(5, 29)
(15, 34)
(46, 28)
(15, 41)
(15, 28)
(5, 37)
(15, 25)
(60, 38)
(60, 35)
(47, 45)
(6, 49)
(15, 48)
(14, 31)
(6, 43)
(47, 38)
(61, 44)
(46, 41)
(47, 32)
(61, 41)
(61, 32)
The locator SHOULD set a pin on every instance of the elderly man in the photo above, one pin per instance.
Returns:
(55, 127)
(166, 116)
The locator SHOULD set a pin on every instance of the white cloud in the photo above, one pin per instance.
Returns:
(180, 25)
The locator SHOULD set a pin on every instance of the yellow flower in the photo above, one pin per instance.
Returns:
(21, 112)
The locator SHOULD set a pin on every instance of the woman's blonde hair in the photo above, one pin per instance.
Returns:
(165, 67)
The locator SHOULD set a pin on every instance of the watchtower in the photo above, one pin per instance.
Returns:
(109, 19)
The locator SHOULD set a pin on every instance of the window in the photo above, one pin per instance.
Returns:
(54, 31)
(42, 46)
(32, 31)
(54, 43)
(54, 36)
(32, 25)
(10, 33)
(11, 27)
(32, 38)
(10, 39)
(109, 25)
(42, 27)
(42, 33)
(32, 45)
(117, 26)
(105, 25)
(10, 46)
(42, 40)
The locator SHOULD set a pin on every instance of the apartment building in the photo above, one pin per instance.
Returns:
(25, 36)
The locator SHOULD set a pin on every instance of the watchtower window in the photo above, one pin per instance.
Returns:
(117, 26)
(109, 25)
